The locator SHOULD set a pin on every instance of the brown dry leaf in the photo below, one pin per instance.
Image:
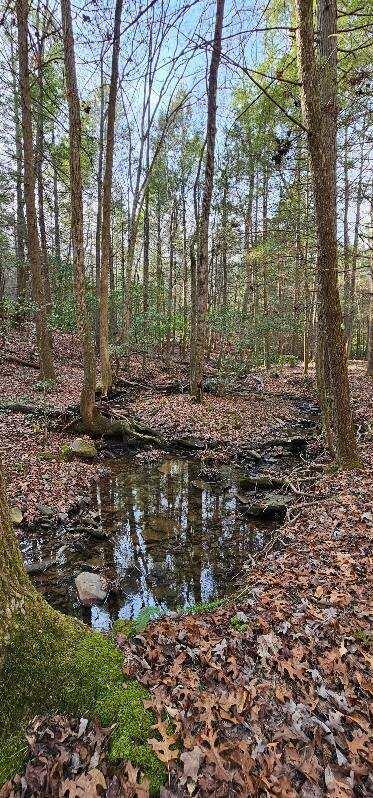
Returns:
(191, 762)
(163, 747)
(359, 743)
(306, 762)
(85, 786)
(6, 790)
(136, 786)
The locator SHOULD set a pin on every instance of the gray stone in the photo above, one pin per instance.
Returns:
(260, 481)
(270, 504)
(39, 567)
(44, 509)
(82, 447)
(91, 588)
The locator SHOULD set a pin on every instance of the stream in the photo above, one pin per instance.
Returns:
(166, 532)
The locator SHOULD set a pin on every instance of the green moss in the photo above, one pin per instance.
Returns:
(12, 753)
(239, 626)
(123, 627)
(47, 456)
(54, 665)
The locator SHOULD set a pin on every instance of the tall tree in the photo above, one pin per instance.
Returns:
(319, 106)
(106, 374)
(87, 400)
(41, 34)
(197, 362)
(22, 275)
(43, 337)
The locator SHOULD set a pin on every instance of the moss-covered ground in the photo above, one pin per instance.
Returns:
(54, 665)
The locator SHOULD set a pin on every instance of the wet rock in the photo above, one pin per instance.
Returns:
(97, 533)
(92, 566)
(16, 515)
(39, 567)
(294, 442)
(61, 554)
(270, 505)
(260, 481)
(91, 588)
(81, 447)
(46, 510)
(254, 455)
(189, 443)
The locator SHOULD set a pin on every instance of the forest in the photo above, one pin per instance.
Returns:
(186, 361)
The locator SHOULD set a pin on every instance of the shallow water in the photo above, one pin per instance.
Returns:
(176, 535)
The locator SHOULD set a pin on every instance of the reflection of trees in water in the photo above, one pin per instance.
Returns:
(183, 537)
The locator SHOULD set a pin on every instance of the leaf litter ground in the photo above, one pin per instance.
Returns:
(266, 695)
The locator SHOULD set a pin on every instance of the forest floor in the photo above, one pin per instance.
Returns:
(268, 693)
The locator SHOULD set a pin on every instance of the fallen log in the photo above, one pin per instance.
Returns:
(19, 361)
(34, 410)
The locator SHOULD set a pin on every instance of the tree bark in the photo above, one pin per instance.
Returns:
(56, 210)
(99, 202)
(87, 400)
(370, 320)
(39, 158)
(22, 271)
(197, 365)
(349, 309)
(106, 372)
(43, 338)
(320, 115)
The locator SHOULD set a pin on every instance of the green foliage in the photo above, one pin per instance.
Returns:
(45, 386)
(12, 311)
(146, 615)
(239, 626)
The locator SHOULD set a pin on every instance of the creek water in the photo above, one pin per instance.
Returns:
(165, 530)
(166, 535)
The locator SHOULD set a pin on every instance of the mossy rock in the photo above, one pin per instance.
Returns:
(53, 664)
(80, 447)
(16, 515)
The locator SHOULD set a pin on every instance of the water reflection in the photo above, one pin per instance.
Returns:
(173, 538)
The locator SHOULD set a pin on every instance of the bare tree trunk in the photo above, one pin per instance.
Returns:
(22, 270)
(349, 310)
(87, 400)
(307, 293)
(370, 329)
(346, 239)
(173, 223)
(56, 211)
(159, 273)
(370, 321)
(320, 115)
(106, 373)
(248, 243)
(197, 366)
(39, 158)
(266, 337)
(99, 201)
(43, 338)
(185, 275)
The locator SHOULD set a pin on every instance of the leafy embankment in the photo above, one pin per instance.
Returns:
(269, 696)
